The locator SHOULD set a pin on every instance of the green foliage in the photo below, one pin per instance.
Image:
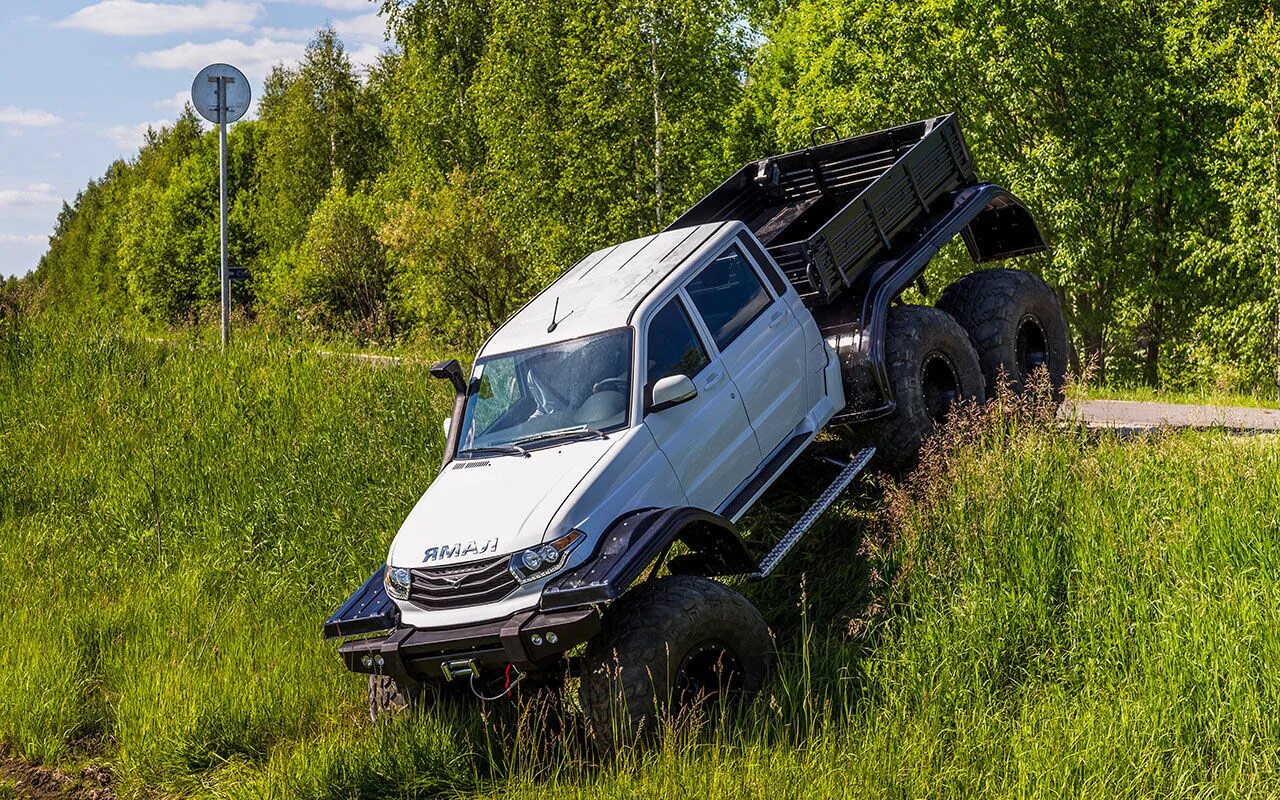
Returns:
(456, 274)
(319, 125)
(1142, 135)
(1101, 115)
(169, 240)
(338, 277)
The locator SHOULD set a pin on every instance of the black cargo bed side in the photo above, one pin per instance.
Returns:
(825, 213)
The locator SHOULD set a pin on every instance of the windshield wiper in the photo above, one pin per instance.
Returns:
(502, 449)
(578, 431)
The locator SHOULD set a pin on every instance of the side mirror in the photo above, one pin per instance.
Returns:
(448, 424)
(672, 391)
(452, 370)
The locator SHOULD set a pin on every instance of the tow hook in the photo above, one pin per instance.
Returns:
(508, 683)
(461, 668)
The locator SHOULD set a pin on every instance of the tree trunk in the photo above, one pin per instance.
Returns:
(656, 77)
(1093, 359)
(1151, 351)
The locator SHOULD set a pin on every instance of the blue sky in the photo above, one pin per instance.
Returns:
(82, 80)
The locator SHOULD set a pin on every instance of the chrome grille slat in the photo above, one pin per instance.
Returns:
(460, 586)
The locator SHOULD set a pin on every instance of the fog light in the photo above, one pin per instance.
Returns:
(367, 660)
(536, 639)
(552, 638)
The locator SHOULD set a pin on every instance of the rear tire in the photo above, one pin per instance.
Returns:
(932, 366)
(1016, 325)
(668, 646)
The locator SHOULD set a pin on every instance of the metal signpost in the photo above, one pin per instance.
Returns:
(220, 94)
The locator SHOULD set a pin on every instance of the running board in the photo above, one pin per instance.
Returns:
(819, 507)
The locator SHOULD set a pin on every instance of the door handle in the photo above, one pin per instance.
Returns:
(712, 380)
(777, 318)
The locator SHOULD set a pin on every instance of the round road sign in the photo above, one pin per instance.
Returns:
(204, 92)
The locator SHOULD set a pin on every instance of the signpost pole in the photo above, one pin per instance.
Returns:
(220, 93)
(222, 208)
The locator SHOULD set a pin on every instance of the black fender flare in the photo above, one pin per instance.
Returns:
(636, 540)
(994, 225)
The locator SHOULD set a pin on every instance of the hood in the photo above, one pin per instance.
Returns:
(483, 507)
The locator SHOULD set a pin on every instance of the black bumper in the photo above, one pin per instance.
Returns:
(523, 639)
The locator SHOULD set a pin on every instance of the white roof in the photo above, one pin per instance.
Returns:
(600, 291)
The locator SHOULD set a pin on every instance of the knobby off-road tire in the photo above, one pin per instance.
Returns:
(932, 365)
(1015, 323)
(667, 646)
(388, 697)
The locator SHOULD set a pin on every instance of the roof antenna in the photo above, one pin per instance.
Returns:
(552, 327)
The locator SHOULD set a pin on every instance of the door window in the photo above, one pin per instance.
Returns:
(673, 347)
(729, 296)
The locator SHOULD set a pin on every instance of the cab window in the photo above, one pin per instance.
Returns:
(728, 295)
(673, 347)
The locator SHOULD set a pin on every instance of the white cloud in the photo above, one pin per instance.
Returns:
(132, 137)
(137, 18)
(22, 238)
(287, 33)
(28, 118)
(36, 194)
(365, 55)
(362, 29)
(335, 5)
(366, 28)
(254, 59)
(175, 103)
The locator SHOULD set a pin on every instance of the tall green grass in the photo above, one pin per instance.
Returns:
(1040, 614)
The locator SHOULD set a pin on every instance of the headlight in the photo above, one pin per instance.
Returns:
(545, 559)
(397, 581)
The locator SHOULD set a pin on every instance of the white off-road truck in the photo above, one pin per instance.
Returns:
(613, 431)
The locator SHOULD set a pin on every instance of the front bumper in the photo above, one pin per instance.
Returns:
(523, 639)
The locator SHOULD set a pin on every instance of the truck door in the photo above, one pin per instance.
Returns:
(708, 440)
(760, 342)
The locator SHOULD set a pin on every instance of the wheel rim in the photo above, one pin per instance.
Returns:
(941, 385)
(1032, 346)
(708, 672)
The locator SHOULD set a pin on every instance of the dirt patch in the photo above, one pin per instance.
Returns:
(31, 781)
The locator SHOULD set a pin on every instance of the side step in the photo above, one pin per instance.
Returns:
(819, 507)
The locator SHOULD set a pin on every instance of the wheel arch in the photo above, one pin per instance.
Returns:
(637, 540)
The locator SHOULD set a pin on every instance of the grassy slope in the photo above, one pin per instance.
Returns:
(1058, 617)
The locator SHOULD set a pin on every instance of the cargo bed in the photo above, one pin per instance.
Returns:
(828, 212)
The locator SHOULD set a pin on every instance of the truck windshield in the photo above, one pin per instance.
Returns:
(579, 387)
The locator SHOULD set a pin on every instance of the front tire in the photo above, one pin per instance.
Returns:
(1016, 325)
(668, 646)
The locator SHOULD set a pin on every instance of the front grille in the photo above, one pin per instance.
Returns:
(471, 584)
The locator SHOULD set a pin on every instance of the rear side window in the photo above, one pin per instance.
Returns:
(729, 296)
(673, 347)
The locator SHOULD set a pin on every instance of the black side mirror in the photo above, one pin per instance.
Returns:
(452, 370)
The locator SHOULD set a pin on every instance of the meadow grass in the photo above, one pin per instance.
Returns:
(1206, 396)
(1041, 613)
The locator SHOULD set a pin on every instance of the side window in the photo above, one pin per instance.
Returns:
(729, 296)
(776, 278)
(673, 347)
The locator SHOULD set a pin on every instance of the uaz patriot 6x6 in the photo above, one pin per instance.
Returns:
(649, 396)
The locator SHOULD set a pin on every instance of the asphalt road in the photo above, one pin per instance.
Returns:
(1133, 415)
